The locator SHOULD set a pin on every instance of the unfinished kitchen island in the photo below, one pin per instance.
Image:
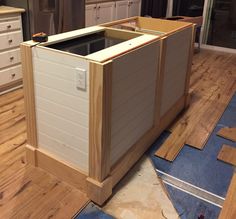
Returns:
(93, 104)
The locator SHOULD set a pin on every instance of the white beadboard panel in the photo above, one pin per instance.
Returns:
(123, 92)
(123, 68)
(120, 124)
(68, 87)
(136, 130)
(176, 66)
(129, 105)
(70, 155)
(71, 127)
(59, 57)
(56, 69)
(133, 97)
(61, 98)
(57, 133)
(131, 123)
(62, 110)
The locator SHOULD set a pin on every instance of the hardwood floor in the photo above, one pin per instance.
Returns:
(212, 85)
(26, 191)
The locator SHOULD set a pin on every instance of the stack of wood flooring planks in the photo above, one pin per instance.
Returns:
(212, 85)
(26, 191)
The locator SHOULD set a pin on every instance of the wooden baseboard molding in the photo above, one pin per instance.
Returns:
(56, 167)
(99, 192)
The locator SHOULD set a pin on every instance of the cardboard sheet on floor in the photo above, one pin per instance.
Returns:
(141, 195)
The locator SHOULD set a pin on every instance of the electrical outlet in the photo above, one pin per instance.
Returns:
(80, 79)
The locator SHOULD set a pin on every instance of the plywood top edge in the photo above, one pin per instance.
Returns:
(10, 10)
(121, 48)
(66, 36)
(71, 35)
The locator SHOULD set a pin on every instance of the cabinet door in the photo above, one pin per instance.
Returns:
(91, 15)
(122, 9)
(105, 12)
(134, 8)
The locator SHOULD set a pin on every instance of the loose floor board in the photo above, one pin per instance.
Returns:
(227, 154)
(212, 88)
(229, 207)
(228, 133)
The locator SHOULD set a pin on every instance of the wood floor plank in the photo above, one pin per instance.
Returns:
(227, 154)
(11, 97)
(228, 133)
(212, 87)
(229, 208)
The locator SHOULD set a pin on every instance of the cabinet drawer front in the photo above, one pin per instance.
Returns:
(10, 25)
(10, 57)
(10, 40)
(10, 75)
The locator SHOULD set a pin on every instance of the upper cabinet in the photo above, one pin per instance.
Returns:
(134, 8)
(105, 12)
(91, 15)
(122, 9)
(114, 10)
(99, 13)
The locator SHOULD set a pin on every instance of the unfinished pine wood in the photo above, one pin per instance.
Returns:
(100, 120)
(229, 208)
(228, 133)
(28, 80)
(227, 154)
(212, 83)
(26, 191)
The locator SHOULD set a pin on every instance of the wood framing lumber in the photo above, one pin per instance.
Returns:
(229, 208)
(227, 154)
(27, 68)
(100, 121)
(228, 133)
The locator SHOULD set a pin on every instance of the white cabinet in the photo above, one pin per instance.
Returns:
(114, 10)
(122, 9)
(91, 15)
(134, 8)
(10, 39)
(100, 13)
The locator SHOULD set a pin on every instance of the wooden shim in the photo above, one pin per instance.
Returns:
(229, 208)
(100, 120)
(227, 154)
(228, 133)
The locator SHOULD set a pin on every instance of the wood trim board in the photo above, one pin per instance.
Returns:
(229, 208)
(29, 97)
(100, 120)
(228, 133)
(227, 154)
